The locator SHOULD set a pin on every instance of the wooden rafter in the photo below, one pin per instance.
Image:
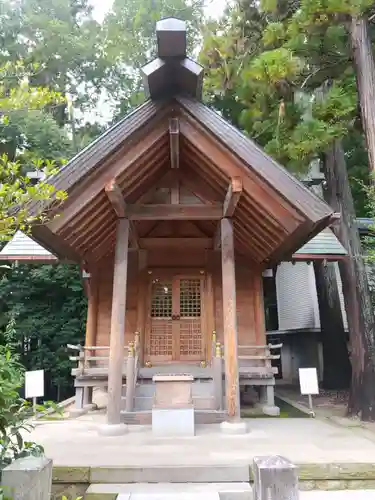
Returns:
(175, 212)
(116, 198)
(174, 134)
(233, 196)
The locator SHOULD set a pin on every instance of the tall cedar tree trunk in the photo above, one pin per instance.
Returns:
(364, 64)
(336, 363)
(355, 287)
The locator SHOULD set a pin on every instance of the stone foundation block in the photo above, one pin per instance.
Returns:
(28, 478)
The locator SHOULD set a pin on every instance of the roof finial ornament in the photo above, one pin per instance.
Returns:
(172, 72)
(171, 37)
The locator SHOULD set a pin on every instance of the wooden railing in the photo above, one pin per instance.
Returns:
(264, 356)
(86, 359)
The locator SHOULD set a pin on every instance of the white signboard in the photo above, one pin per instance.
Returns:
(34, 384)
(308, 381)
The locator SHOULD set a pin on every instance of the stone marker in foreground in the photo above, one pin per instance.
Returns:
(275, 478)
(28, 478)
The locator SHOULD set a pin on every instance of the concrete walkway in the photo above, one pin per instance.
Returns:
(76, 442)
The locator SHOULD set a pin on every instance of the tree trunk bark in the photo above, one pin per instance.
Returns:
(336, 363)
(355, 287)
(364, 64)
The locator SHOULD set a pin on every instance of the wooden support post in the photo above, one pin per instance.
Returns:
(116, 351)
(232, 391)
(141, 301)
(92, 312)
(91, 328)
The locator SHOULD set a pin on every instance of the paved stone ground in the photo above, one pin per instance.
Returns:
(76, 442)
(338, 495)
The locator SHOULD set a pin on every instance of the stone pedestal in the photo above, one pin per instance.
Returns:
(28, 478)
(275, 478)
(173, 422)
(173, 410)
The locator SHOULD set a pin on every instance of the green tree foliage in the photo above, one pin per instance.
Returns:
(265, 71)
(47, 307)
(58, 36)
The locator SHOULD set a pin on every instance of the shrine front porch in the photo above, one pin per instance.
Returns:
(208, 388)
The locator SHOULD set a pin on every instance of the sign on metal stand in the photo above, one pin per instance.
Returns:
(34, 386)
(308, 381)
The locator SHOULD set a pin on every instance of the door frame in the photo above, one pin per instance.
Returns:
(179, 273)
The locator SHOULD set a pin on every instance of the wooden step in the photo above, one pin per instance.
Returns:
(201, 417)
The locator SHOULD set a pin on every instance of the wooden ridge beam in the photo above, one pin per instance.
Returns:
(116, 198)
(233, 196)
(174, 139)
(175, 212)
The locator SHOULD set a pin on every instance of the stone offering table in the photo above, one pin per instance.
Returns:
(173, 410)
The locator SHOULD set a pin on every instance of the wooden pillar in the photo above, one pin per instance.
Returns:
(232, 392)
(117, 341)
(141, 301)
(92, 311)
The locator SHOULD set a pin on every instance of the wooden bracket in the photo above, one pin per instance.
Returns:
(114, 193)
(232, 197)
(116, 198)
(335, 218)
(174, 135)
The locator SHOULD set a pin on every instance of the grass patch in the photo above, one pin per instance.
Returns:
(286, 411)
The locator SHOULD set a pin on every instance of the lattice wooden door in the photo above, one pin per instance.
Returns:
(175, 320)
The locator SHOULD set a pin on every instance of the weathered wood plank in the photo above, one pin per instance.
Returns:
(174, 212)
(233, 196)
(118, 318)
(232, 393)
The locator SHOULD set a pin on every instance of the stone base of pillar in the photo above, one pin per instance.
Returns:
(112, 430)
(235, 427)
(77, 412)
(271, 411)
(90, 407)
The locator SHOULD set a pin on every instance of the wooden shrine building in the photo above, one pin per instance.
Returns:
(174, 214)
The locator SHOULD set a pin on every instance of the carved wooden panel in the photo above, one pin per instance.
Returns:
(190, 318)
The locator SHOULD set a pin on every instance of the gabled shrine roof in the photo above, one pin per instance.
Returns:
(274, 213)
